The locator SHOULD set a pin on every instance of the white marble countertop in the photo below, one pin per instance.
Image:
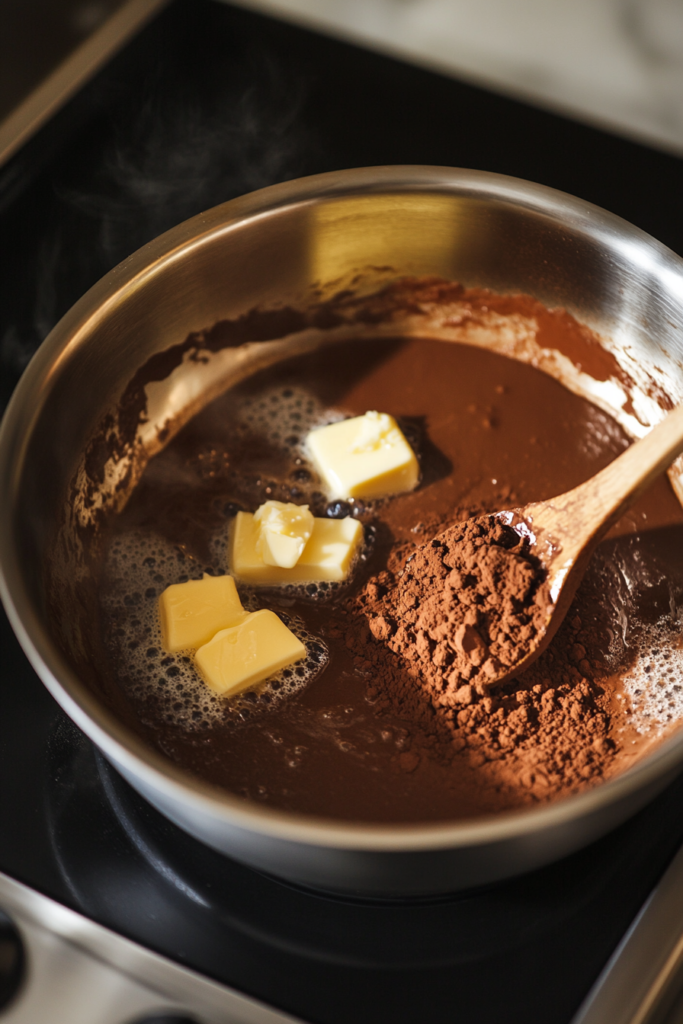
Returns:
(617, 64)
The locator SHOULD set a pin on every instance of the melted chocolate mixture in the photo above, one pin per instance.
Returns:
(491, 433)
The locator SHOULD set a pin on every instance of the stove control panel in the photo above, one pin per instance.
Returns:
(58, 966)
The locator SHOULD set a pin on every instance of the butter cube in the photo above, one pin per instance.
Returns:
(284, 530)
(327, 555)
(248, 653)
(364, 457)
(191, 613)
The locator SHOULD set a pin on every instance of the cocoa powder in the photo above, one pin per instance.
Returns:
(466, 607)
(434, 632)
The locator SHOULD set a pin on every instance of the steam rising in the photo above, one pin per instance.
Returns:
(179, 158)
(193, 137)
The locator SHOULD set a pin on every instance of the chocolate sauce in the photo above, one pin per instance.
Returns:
(490, 433)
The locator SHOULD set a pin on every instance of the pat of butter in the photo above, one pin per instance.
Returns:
(191, 613)
(284, 530)
(327, 555)
(364, 457)
(248, 653)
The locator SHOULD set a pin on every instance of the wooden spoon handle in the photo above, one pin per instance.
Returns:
(587, 512)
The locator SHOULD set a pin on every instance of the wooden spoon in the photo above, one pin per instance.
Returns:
(564, 531)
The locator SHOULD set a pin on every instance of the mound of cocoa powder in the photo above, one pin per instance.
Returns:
(466, 607)
(466, 600)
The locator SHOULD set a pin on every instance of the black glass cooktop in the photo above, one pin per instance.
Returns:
(210, 102)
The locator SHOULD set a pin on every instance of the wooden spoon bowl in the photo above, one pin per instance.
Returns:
(564, 531)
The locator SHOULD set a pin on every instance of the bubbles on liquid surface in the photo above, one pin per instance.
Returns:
(284, 417)
(654, 683)
(138, 568)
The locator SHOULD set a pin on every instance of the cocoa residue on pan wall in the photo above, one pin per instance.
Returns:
(557, 329)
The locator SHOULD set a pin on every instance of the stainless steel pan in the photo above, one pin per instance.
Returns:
(270, 248)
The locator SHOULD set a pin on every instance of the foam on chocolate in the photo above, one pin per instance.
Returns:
(139, 567)
(284, 416)
(654, 682)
